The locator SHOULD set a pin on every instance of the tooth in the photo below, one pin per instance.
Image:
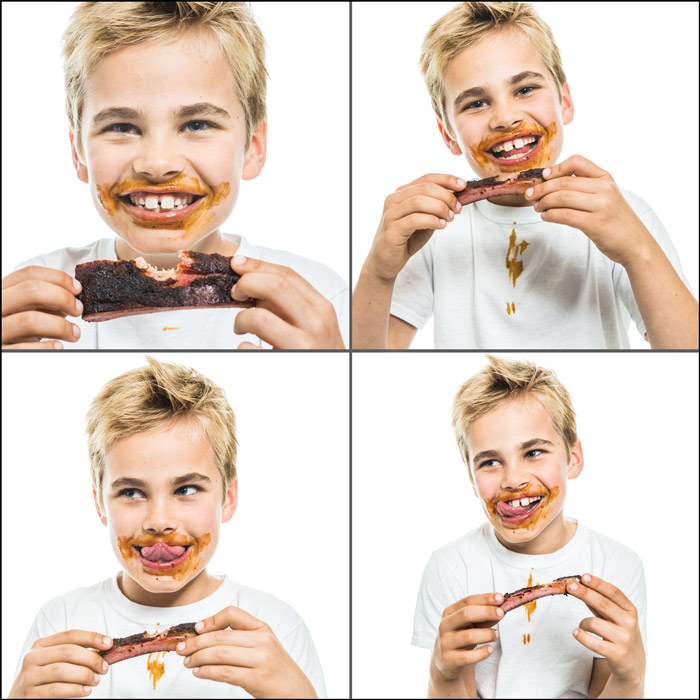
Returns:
(151, 202)
(515, 503)
(524, 501)
(167, 202)
(508, 146)
(518, 143)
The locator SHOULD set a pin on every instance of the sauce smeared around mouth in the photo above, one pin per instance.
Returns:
(175, 557)
(520, 517)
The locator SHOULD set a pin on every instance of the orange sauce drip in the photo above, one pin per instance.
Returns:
(156, 667)
(530, 607)
(514, 257)
(510, 307)
(526, 639)
(170, 328)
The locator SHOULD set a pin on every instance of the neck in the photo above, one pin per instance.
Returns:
(198, 588)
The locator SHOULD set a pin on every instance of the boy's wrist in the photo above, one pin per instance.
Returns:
(370, 274)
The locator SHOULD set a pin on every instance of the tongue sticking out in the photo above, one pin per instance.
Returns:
(162, 552)
(509, 511)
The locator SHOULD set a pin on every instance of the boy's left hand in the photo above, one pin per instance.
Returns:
(289, 312)
(235, 647)
(592, 203)
(616, 622)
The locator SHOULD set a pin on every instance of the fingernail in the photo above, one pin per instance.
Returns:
(76, 332)
(97, 678)
(586, 578)
(199, 626)
(576, 632)
(573, 587)
(547, 172)
(496, 632)
(528, 192)
(79, 306)
(490, 649)
(77, 286)
(87, 689)
(58, 346)
(180, 646)
(499, 612)
(442, 222)
(107, 640)
(451, 215)
(105, 667)
(238, 259)
(459, 206)
(499, 597)
(461, 183)
(187, 659)
(195, 669)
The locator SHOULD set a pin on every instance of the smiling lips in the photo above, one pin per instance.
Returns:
(161, 206)
(515, 150)
(162, 556)
(519, 509)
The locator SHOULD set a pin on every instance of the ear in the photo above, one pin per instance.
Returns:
(230, 501)
(576, 461)
(257, 152)
(102, 518)
(449, 141)
(567, 105)
(80, 167)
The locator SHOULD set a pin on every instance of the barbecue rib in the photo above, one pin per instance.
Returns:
(492, 186)
(525, 595)
(115, 288)
(138, 644)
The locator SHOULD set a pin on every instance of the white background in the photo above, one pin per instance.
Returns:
(637, 416)
(289, 536)
(633, 74)
(298, 203)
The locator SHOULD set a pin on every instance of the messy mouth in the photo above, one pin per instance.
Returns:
(159, 203)
(163, 556)
(515, 151)
(517, 510)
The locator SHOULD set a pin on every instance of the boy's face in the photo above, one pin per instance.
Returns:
(162, 499)
(162, 119)
(516, 453)
(500, 111)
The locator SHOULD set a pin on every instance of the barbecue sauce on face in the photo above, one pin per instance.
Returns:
(529, 523)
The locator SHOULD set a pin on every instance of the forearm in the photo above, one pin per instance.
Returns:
(668, 309)
(371, 308)
(440, 688)
(615, 688)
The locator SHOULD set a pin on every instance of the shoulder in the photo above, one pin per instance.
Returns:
(320, 276)
(613, 552)
(67, 258)
(464, 551)
(63, 608)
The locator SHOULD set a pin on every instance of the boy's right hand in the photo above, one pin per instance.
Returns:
(465, 624)
(35, 303)
(61, 666)
(410, 216)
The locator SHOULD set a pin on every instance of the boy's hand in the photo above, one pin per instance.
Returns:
(465, 624)
(592, 203)
(61, 666)
(410, 216)
(289, 312)
(616, 622)
(35, 303)
(235, 647)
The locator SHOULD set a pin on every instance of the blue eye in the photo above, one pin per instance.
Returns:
(534, 453)
(189, 486)
(126, 492)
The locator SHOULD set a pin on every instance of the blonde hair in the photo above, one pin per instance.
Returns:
(157, 395)
(470, 22)
(505, 380)
(97, 29)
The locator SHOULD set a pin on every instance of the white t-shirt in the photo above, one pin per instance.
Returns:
(568, 295)
(188, 329)
(539, 658)
(103, 608)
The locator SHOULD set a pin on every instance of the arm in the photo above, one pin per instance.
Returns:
(604, 685)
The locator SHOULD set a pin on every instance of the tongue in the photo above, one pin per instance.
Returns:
(510, 511)
(162, 552)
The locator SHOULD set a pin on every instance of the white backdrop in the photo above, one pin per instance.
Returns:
(634, 82)
(298, 203)
(289, 536)
(637, 418)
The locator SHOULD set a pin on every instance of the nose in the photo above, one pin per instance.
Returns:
(159, 518)
(159, 157)
(513, 477)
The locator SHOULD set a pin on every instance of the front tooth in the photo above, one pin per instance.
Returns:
(167, 202)
(508, 146)
(151, 202)
(515, 503)
(518, 143)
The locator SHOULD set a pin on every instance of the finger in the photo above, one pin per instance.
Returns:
(577, 201)
(281, 295)
(478, 599)
(449, 182)
(461, 657)
(47, 274)
(66, 673)
(35, 345)
(599, 646)
(41, 295)
(60, 690)
(248, 346)
(473, 616)
(428, 190)
(69, 655)
(270, 328)
(598, 604)
(233, 675)
(576, 165)
(217, 638)
(464, 639)
(609, 591)
(578, 184)
(82, 638)
(603, 628)
(232, 617)
(27, 325)
(422, 204)
(226, 655)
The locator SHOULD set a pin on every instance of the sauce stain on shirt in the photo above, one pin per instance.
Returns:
(156, 666)
(514, 257)
(526, 639)
(530, 607)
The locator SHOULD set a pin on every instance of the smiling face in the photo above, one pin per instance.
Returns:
(162, 503)
(164, 137)
(520, 469)
(503, 108)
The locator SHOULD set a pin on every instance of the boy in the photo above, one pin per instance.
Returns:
(568, 274)
(162, 448)
(516, 430)
(163, 159)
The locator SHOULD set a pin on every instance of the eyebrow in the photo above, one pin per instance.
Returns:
(199, 109)
(514, 80)
(131, 482)
(522, 447)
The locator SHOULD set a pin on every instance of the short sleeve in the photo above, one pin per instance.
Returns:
(300, 647)
(412, 300)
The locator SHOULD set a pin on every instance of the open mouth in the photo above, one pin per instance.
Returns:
(162, 556)
(516, 151)
(519, 509)
(161, 207)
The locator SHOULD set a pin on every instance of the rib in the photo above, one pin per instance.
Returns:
(492, 186)
(116, 288)
(144, 643)
(525, 595)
